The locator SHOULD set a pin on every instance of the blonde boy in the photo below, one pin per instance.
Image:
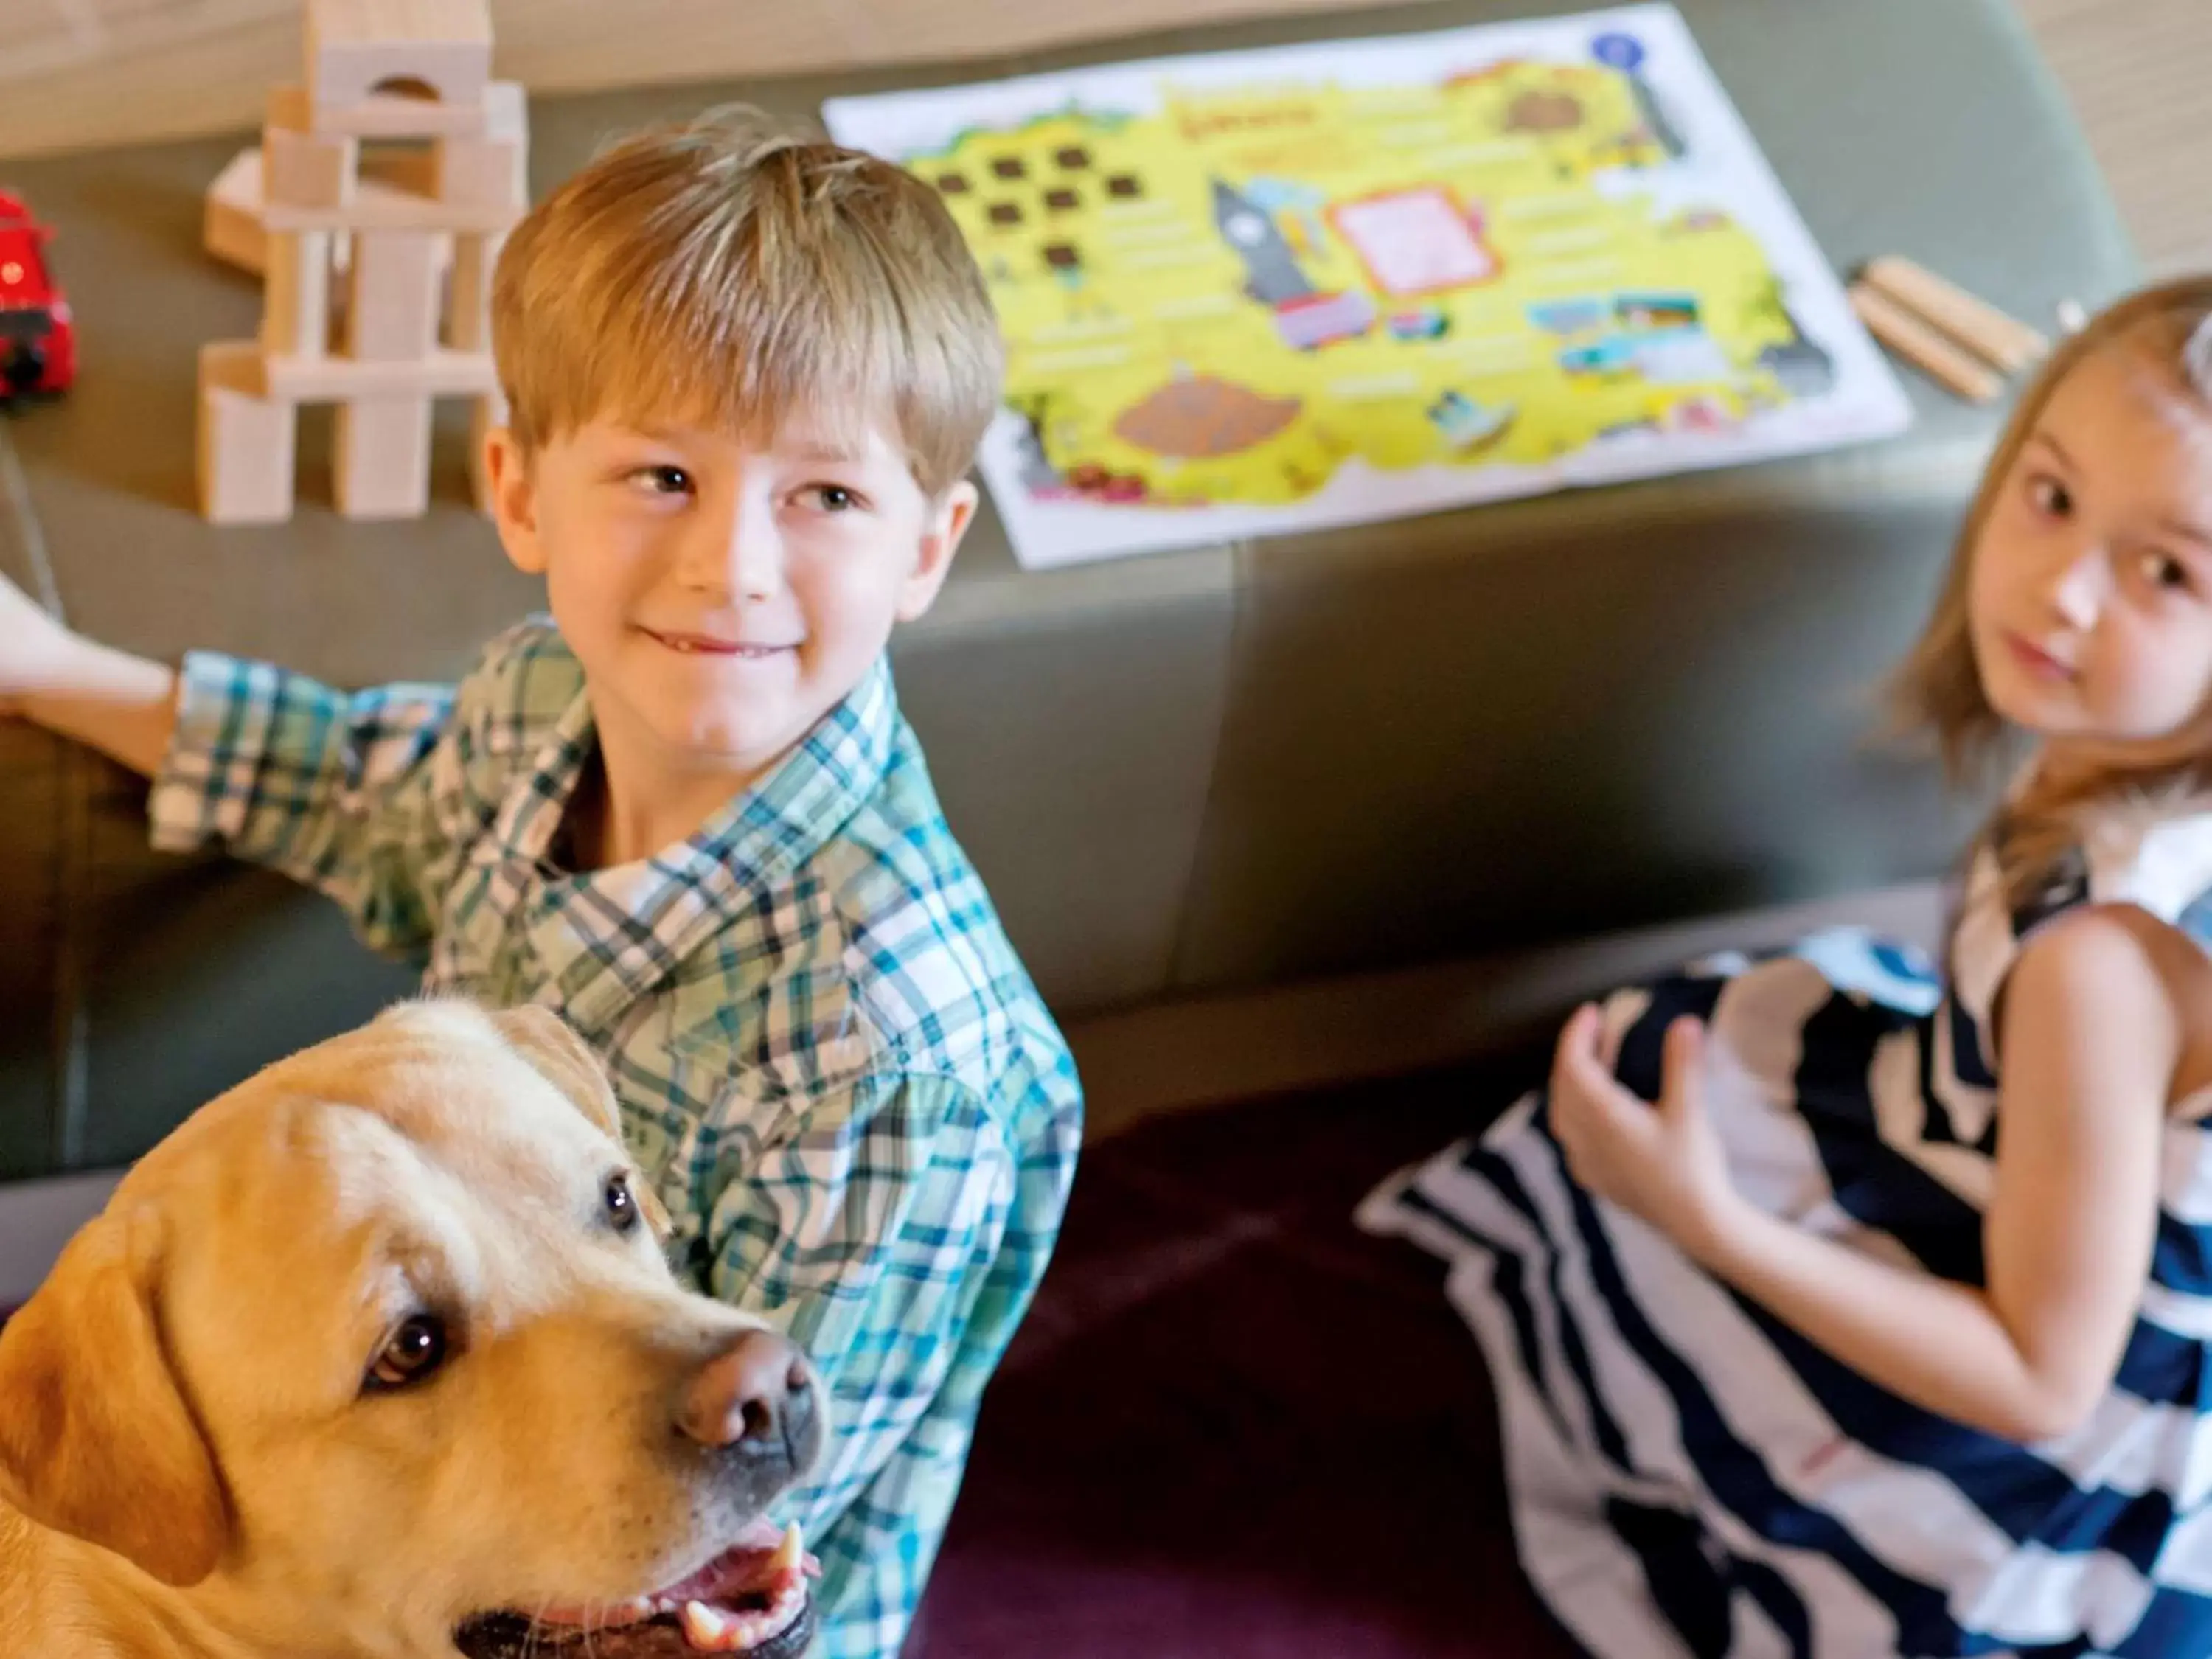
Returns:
(747, 374)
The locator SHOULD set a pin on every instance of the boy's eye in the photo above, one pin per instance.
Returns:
(2049, 497)
(664, 480)
(831, 498)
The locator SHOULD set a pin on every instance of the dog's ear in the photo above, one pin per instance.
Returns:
(96, 1437)
(551, 1045)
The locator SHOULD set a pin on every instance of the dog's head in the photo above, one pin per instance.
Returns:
(383, 1341)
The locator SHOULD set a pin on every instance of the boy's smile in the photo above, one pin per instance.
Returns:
(722, 595)
(707, 645)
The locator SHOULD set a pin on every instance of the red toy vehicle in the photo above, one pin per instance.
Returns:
(38, 341)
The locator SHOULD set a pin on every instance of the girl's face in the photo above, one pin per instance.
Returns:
(2089, 594)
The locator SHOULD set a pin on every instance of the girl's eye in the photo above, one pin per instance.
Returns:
(2163, 570)
(2049, 497)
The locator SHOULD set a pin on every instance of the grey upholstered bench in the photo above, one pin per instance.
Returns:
(1234, 766)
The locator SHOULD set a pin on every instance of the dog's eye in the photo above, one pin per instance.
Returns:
(622, 1203)
(417, 1349)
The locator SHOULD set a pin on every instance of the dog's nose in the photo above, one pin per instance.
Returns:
(747, 1392)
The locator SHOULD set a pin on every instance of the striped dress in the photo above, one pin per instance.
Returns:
(1688, 1476)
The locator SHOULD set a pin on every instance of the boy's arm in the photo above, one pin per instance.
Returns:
(356, 794)
(889, 1232)
(877, 1550)
(346, 794)
(122, 705)
(118, 703)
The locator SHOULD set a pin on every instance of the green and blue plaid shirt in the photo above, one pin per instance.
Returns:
(830, 1062)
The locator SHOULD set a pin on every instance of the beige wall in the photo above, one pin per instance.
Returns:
(87, 71)
(77, 72)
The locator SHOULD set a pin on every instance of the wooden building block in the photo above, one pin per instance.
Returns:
(507, 111)
(286, 106)
(248, 441)
(381, 457)
(397, 68)
(307, 169)
(378, 205)
(410, 168)
(484, 173)
(335, 379)
(230, 222)
(295, 312)
(392, 298)
(506, 116)
(468, 295)
(400, 115)
(397, 176)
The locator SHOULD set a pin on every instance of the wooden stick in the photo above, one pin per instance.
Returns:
(1903, 332)
(1974, 322)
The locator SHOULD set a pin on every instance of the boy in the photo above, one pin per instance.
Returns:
(747, 374)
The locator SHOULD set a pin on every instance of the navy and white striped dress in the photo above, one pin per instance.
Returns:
(1689, 1476)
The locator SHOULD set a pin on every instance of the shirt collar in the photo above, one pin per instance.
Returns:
(606, 937)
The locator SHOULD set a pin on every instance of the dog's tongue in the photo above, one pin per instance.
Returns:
(761, 1556)
(744, 1596)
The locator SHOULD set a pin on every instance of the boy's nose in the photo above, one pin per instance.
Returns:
(740, 556)
(756, 568)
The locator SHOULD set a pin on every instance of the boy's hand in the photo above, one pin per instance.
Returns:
(34, 648)
(1661, 1162)
(122, 705)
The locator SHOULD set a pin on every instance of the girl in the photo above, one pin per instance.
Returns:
(1812, 1337)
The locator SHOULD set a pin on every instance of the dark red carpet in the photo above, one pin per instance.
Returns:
(1234, 1427)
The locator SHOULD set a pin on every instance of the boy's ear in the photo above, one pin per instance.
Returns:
(514, 500)
(948, 520)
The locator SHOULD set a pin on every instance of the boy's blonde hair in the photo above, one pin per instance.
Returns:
(726, 272)
(1938, 687)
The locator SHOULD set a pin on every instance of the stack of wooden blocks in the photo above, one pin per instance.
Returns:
(386, 184)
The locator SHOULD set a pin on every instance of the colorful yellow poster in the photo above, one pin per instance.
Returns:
(1250, 293)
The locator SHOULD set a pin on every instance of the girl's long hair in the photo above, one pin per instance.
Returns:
(1937, 688)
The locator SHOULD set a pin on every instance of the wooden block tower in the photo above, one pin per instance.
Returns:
(387, 182)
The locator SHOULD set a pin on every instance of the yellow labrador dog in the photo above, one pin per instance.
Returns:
(377, 1357)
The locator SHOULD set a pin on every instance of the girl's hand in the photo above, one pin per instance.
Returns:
(1661, 1162)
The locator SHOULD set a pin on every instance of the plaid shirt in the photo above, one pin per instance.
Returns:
(831, 1063)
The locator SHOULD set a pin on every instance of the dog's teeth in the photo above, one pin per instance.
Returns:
(789, 1552)
(703, 1626)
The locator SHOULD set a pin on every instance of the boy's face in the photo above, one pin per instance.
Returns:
(723, 596)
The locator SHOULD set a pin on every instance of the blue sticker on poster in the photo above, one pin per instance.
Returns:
(1621, 51)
